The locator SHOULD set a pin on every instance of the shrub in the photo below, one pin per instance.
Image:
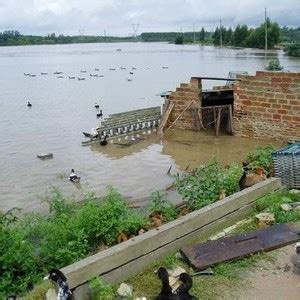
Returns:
(204, 186)
(160, 204)
(261, 157)
(101, 290)
(293, 49)
(274, 65)
(273, 201)
(30, 246)
(179, 40)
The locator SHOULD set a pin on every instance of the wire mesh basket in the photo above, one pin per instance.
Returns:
(287, 165)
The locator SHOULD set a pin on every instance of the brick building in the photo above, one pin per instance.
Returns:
(264, 105)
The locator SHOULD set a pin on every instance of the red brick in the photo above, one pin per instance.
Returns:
(296, 118)
(286, 106)
(289, 96)
(294, 102)
(276, 117)
(265, 105)
(276, 106)
(246, 102)
(276, 80)
(282, 111)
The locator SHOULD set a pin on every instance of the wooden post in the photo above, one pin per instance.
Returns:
(218, 121)
(230, 119)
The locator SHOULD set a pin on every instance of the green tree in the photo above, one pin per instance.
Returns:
(202, 36)
(240, 36)
(228, 37)
(179, 40)
(216, 37)
(292, 50)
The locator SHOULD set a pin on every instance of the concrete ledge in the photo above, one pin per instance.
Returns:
(128, 258)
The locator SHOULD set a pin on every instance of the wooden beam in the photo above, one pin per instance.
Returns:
(216, 78)
(126, 259)
(165, 117)
(186, 108)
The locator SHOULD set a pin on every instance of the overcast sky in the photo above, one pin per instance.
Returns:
(117, 16)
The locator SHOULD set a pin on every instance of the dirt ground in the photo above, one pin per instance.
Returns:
(277, 281)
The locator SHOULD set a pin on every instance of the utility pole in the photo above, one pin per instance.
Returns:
(221, 42)
(266, 32)
(194, 32)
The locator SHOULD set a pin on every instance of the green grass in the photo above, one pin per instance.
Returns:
(228, 275)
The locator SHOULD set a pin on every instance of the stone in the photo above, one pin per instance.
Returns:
(217, 236)
(51, 294)
(294, 191)
(178, 255)
(265, 219)
(125, 290)
(286, 207)
(176, 271)
(45, 155)
(295, 205)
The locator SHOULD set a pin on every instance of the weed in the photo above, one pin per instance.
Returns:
(261, 157)
(205, 185)
(101, 290)
(160, 204)
(30, 246)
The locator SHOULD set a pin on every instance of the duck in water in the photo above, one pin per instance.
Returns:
(73, 177)
(29, 104)
(104, 141)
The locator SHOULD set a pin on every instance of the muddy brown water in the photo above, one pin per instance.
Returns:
(140, 169)
(62, 108)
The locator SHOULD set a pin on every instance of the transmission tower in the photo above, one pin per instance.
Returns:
(135, 28)
(81, 32)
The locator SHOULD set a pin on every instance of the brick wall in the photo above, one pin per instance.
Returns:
(268, 105)
(182, 97)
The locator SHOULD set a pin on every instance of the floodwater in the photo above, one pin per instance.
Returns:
(63, 108)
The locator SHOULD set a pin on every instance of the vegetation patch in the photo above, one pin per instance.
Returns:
(32, 245)
(206, 183)
(35, 243)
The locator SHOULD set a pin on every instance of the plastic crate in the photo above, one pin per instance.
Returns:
(287, 165)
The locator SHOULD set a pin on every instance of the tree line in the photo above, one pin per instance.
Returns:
(15, 38)
(241, 36)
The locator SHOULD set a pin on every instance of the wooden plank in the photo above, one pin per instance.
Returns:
(151, 241)
(207, 254)
(217, 78)
(165, 117)
(186, 108)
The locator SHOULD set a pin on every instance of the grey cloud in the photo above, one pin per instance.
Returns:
(116, 16)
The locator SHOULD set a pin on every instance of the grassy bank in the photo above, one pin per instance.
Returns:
(35, 243)
(230, 275)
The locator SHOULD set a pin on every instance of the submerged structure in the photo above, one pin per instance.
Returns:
(264, 105)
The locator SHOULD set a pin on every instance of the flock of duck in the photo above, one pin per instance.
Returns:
(92, 74)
